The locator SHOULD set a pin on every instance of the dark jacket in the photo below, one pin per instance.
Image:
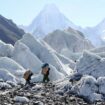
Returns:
(48, 71)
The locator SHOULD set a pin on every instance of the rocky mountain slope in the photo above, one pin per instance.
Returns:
(9, 32)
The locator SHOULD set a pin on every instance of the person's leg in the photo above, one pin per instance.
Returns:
(28, 81)
(44, 78)
(47, 78)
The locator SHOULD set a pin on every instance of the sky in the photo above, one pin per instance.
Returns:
(80, 12)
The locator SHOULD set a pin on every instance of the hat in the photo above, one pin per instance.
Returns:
(45, 65)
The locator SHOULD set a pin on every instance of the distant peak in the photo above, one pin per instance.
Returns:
(102, 23)
(51, 7)
(103, 20)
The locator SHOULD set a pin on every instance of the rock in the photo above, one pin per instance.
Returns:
(4, 85)
(37, 96)
(72, 98)
(13, 84)
(75, 77)
(1, 80)
(38, 103)
(60, 92)
(21, 99)
(43, 94)
(37, 88)
(84, 104)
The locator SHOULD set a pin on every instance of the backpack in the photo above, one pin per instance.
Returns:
(44, 71)
(27, 74)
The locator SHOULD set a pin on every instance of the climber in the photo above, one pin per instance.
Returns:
(45, 72)
(27, 76)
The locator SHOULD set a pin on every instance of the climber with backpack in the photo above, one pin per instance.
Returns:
(27, 76)
(45, 72)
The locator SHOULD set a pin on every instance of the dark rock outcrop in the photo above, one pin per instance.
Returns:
(9, 32)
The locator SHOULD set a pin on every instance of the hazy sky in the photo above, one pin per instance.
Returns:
(80, 12)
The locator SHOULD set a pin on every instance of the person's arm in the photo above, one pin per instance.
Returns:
(32, 73)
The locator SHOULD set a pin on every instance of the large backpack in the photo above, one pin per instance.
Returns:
(44, 71)
(27, 74)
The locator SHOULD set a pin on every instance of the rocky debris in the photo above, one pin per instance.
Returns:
(38, 103)
(41, 94)
(13, 84)
(4, 85)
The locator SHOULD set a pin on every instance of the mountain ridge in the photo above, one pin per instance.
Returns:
(9, 31)
(49, 19)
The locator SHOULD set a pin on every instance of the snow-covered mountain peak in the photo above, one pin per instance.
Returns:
(100, 27)
(49, 20)
(96, 34)
(49, 8)
(102, 23)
